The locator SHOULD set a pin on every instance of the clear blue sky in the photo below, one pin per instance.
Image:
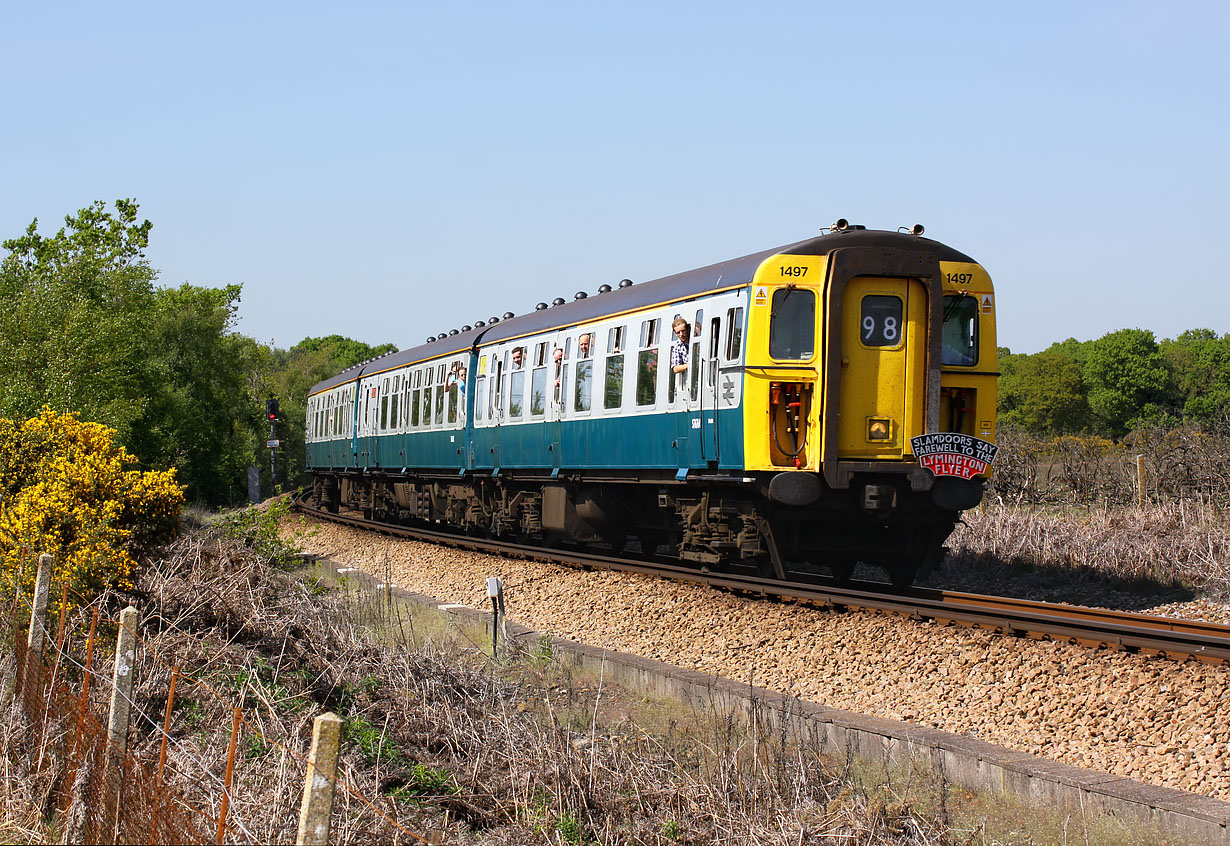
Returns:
(389, 170)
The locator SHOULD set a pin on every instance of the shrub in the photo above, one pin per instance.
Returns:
(68, 489)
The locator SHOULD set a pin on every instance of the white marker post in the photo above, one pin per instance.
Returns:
(495, 590)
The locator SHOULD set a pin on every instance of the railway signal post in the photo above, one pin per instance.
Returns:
(273, 415)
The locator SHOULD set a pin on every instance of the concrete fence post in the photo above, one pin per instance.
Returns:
(38, 609)
(121, 709)
(318, 784)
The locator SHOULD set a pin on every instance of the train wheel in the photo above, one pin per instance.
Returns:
(902, 574)
(843, 569)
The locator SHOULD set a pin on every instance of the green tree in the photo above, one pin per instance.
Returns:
(1127, 380)
(203, 414)
(73, 309)
(296, 370)
(1199, 364)
(1043, 393)
(83, 329)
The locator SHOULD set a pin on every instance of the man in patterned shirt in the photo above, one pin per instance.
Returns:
(679, 346)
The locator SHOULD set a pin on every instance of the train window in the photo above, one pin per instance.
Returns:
(880, 321)
(440, 391)
(960, 330)
(715, 334)
(695, 357)
(613, 387)
(516, 391)
(453, 393)
(428, 372)
(394, 422)
(396, 380)
(647, 377)
(497, 385)
(585, 345)
(734, 334)
(480, 397)
(414, 408)
(561, 380)
(649, 332)
(792, 324)
(615, 340)
(540, 354)
(560, 370)
(538, 392)
(582, 396)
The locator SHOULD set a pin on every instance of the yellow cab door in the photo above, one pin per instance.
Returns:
(883, 360)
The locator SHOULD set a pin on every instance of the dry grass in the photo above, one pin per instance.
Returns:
(1173, 548)
(439, 738)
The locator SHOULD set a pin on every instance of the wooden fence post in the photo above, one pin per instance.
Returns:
(121, 709)
(1140, 481)
(38, 610)
(318, 785)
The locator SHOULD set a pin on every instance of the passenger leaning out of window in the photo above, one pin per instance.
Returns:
(679, 346)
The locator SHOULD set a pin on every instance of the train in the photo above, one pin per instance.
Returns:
(798, 411)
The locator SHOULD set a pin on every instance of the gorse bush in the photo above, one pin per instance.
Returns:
(68, 489)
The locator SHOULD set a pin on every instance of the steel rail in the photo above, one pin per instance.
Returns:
(1091, 627)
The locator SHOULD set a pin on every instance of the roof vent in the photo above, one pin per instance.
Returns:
(557, 301)
(430, 338)
(440, 336)
(625, 283)
(508, 315)
(580, 295)
(452, 331)
(478, 324)
(467, 328)
(540, 307)
(493, 320)
(604, 289)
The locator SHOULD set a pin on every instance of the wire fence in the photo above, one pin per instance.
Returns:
(97, 790)
(102, 793)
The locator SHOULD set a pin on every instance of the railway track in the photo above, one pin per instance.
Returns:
(1096, 628)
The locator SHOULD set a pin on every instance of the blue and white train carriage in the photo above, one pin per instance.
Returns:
(781, 440)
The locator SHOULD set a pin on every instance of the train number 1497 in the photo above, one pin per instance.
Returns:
(794, 270)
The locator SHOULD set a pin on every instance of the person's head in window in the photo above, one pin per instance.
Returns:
(583, 345)
(681, 329)
(518, 357)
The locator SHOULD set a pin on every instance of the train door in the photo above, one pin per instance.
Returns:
(499, 399)
(684, 391)
(710, 390)
(371, 413)
(883, 359)
(557, 393)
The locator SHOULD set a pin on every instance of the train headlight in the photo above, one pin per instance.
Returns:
(879, 429)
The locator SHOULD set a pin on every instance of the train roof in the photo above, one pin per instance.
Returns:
(690, 283)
